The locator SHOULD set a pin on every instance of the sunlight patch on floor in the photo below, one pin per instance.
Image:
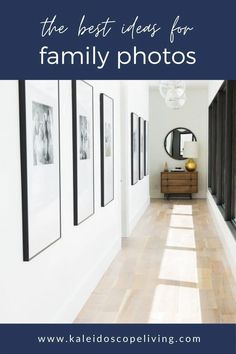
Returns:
(178, 303)
(183, 238)
(182, 209)
(175, 304)
(183, 221)
(179, 265)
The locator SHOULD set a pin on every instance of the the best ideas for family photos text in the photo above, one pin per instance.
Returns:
(136, 28)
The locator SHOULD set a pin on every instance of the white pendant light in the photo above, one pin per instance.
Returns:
(165, 86)
(173, 91)
(179, 87)
(173, 100)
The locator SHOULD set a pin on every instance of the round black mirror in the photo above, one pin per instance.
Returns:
(174, 142)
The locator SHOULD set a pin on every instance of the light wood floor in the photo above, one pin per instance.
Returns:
(172, 270)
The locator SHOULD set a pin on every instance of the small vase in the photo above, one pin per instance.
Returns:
(166, 167)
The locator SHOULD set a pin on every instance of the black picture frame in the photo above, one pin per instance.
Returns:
(107, 148)
(141, 148)
(134, 138)
(36, 113)
(83, 164)
(146, 148)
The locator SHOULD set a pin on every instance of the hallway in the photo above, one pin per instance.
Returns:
(171, 270)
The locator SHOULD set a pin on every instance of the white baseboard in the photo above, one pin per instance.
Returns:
(77, 300)
(226, 236)
(138, 215)
(156, 195)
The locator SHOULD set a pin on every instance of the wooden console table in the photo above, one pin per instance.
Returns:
(179, 183)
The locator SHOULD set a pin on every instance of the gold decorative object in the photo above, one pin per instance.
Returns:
(190, 151)
(191, 165)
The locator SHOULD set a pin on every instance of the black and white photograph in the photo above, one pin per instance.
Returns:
(107, 149)
(40, 165)
(83, 150)
(134, 148)
(108, 139)
(141, 148)
(42, 116)
(146, 148)
(84, 137)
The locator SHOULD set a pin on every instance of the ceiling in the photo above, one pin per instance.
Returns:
(189, 83)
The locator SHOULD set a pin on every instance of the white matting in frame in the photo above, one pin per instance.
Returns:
(141, 148)
(134, 148)
(146, 148)
(107, 149)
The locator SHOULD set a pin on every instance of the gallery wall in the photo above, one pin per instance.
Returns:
(135, 198)
(193, 115)
(53, 286)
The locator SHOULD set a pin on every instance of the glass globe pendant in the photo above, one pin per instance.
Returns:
(179, 86)
(165, 86)
(173, 100)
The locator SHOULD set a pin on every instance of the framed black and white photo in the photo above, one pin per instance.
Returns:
(40, 164)
(141, 148)
(83, 150)
(134, 148)
(107, 149)
(146, 148)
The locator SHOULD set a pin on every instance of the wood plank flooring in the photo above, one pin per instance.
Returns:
(171, 270)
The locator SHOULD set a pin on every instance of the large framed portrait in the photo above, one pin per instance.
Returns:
(134, 148)
(40, 165)
(146, 148)
(141, 148)
(107, 149)
(83, 150)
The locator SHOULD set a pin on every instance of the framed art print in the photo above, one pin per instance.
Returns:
(134, 148)
(146, 148)
(40, 165)
(83, 150)
(107, 149)
(141, 148)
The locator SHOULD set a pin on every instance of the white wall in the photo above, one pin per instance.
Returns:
(226, 236)
(136, 198)
(213, 88)
(193, 115)
(53, 286)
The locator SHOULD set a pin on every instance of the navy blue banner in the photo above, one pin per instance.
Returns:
(117, 39)
(116, 339)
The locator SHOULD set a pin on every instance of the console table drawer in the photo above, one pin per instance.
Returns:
(180, 182)
(178, 189)
(177, 175)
